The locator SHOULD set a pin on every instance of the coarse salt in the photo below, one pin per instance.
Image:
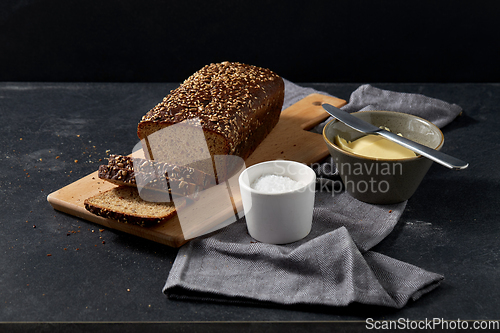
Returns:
(275, 184)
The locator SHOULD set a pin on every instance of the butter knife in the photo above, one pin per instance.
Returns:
(363, 126)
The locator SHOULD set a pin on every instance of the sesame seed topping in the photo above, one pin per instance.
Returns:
(224, 97)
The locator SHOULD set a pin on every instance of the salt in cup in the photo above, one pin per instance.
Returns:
(278, 217)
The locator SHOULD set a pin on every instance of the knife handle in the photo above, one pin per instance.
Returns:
(432, 154)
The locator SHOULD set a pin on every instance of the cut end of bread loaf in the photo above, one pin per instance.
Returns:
(124, 204)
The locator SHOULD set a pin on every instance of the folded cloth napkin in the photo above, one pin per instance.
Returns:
(367, 97)
(333, 265)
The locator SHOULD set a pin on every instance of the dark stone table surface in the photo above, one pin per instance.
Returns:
(58, 268)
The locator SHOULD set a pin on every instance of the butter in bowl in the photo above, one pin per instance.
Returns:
(375, 146)
(379, 171)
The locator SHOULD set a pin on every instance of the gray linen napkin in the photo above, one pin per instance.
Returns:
(367, 97)
(332, 266)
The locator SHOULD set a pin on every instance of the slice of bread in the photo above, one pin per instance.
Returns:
(124, 204)
(178, 180)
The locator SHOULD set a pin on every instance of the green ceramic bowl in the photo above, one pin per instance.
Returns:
(383, 181)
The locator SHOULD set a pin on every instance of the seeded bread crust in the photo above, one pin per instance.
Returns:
(180, 180)
(237, 106)
(124, 204)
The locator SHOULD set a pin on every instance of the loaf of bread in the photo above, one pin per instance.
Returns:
(235, 105)
(224, 109)
(179, 180)
(124, 204)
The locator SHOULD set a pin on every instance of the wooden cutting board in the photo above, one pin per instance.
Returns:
(289, 140)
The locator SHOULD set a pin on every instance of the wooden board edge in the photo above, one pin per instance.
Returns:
(320, 98)
(82, 213)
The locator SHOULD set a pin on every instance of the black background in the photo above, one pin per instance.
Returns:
(303, 41)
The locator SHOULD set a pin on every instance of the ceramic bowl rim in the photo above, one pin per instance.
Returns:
(337, 148)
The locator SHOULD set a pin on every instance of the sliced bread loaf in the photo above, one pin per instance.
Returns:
(234, 105)
(124, 204)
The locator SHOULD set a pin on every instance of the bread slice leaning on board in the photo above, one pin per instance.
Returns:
(124, 204)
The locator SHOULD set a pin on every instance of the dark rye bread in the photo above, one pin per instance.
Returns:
(179, 180)
(124, 204)
(236, 105)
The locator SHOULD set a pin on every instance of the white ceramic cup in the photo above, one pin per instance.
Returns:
(278, 218)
